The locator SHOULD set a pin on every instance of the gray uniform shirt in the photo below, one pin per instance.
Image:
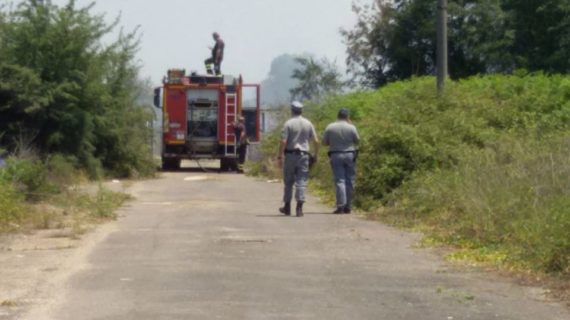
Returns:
(341, 136)
(298, 132)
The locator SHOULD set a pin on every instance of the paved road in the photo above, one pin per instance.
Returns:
(190, 248)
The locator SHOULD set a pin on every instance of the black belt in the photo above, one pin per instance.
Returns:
(355, 152)
(296, 151)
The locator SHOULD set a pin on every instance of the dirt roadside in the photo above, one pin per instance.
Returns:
(36, 264)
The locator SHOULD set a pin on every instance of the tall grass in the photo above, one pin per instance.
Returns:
(514, 198)
(12, 207)
(484, 166)
(42, 194)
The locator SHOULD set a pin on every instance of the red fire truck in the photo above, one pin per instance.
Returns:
(199, 112)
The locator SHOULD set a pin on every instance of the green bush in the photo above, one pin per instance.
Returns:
(73, 93)
(513, 196)
(62, 171)
(485, 166)
(406, 129)
(12, 208)
(29, 177)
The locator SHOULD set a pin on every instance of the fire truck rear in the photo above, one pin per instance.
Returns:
(199, 113)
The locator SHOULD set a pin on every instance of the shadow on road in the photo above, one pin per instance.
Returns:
(199, 170)
(279, 215)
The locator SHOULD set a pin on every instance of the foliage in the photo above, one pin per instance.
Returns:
(316, 79)
(74, 94)
(28, 177)
(62, 172)
(44, 195)
(69, 103)
(12, 206)
(484, 166)
(512, 196)
(106, 203)
(541, 34)
(395, 40)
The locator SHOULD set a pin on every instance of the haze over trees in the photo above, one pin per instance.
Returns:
(275, 88)
(302, 77)
(316, 79)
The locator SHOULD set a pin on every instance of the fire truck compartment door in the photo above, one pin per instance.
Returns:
(251, 111)
(175, 120)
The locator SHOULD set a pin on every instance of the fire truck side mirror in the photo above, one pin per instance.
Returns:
(157, 97)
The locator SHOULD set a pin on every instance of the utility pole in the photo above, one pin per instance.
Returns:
(441, 44)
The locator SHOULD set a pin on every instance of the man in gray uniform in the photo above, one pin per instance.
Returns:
(297, 133)
(342, 137)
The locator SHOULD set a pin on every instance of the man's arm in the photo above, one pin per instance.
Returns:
(316, 143)
(326, 138)
(356, 136)
(281, 153)
(242, 136)
(282, 144)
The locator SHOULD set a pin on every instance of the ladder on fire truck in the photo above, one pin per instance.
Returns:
(230, 117)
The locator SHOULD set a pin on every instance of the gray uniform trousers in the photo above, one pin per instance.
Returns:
(343, 167)
(295, 172)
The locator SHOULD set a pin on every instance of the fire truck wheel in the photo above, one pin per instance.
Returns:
(234, 165)
(224, 164)
(170, 164)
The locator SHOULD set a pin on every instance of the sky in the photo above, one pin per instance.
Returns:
(177, 33)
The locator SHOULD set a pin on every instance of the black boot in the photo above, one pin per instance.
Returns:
(339, 210)
(286, 210)
(299, 209)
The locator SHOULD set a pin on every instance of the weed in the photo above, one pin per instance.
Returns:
(8, 303)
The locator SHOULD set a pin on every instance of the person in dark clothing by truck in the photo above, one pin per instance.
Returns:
(217, 56)
(241, 142)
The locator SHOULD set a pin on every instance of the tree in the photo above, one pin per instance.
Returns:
(367, 59)
(316, 79)
(542, 34)
(395, 40)
(77, 94)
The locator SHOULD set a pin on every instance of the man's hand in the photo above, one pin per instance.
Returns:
(312, 160)
(281, 153)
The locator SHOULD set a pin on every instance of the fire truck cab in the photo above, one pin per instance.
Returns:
(198, 117)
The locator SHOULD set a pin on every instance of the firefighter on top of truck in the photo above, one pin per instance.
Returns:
(217, 56)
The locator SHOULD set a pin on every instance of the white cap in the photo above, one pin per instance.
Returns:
(296, 105)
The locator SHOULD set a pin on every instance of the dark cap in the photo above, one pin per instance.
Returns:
(343, 113)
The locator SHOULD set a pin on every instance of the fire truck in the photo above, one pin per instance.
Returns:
(198, 117)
